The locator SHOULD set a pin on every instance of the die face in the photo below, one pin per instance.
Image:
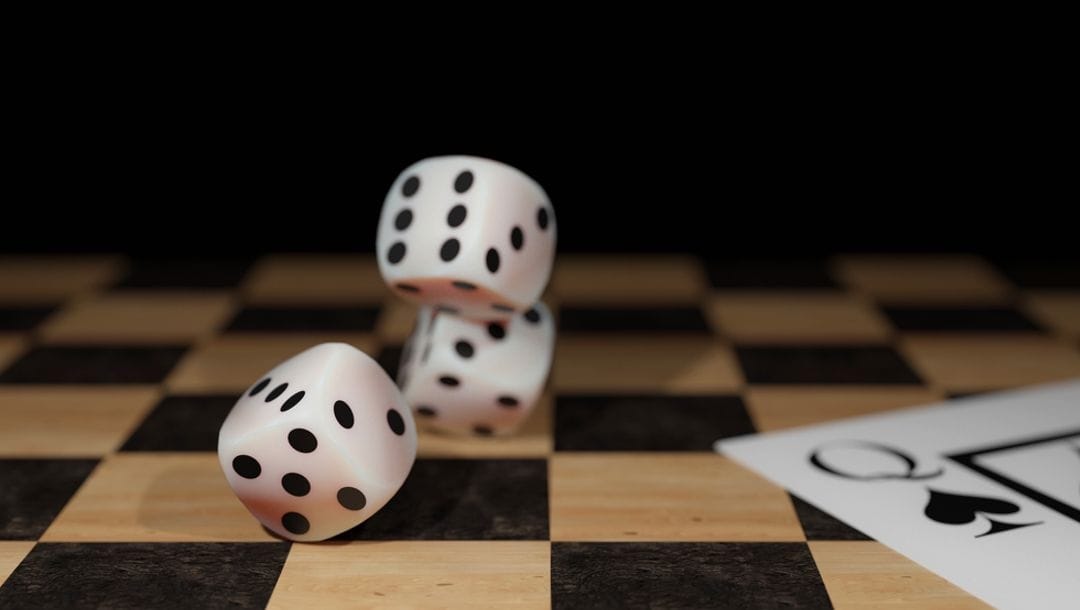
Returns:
(306, 495)
(312, 467)
(472, 377)
(472, 235)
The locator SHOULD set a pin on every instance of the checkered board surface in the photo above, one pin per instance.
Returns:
(115, 376)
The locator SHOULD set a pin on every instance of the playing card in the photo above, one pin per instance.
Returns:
(985, 491)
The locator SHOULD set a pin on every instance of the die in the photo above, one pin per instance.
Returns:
(469, 235)
(484, 378)
(318, 444)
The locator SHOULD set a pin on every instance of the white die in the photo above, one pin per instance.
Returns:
(476, 377)
(318, 444)
(469, 235)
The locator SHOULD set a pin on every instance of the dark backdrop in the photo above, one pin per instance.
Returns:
(807, 167)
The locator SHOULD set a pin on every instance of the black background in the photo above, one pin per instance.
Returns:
(760, 162)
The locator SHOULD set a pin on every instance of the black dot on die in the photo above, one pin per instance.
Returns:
(464, 349)
(246, 466)
(396, 421)
(449, 381)
(517, 238)
(396, 253)
(295, 523)
(426, 411)
(351, 498)
(449, 249)
(463, 181)
(542, 218)
(483, 430)
(408, 288)
(343, 414)
(492, 260)
(532, 315)
(508, 402)
(457, 215)
(259, 387)
(496, 330)
(292, 401)
(403, 219)
(410, 186)
(296, 484)
(278, 391)
(302, 440)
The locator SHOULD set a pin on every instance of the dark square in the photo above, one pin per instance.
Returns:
(685, 575)
(22, 318)
(647, 423)
(389, 358)
(770, 274)
(956, 319)
(182, 423)
(464, 500)
(293, 319)
(669, 319)
(93, 364)
(797, 364)
(145, 575)
(820, 525)
(185, 273)
(1044, 274)
(32, 492)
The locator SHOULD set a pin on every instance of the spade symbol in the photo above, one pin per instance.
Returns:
(955, 509)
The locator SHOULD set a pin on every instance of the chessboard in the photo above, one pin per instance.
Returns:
(115, 375)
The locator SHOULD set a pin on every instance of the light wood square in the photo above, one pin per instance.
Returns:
(70, 421)
(396, 321)
(1058, 311)
(12, 553)
(156, 497)
(665, 497)
(865, 574)
(989, 362)
(786, 318)
(644, 363)
(532, 439)
(628, 279)
(298, 279)
(11, 346)
(924, 279)
(780, 407)
(234, 361)
(422, 574)
(50, 279)
(140, 317)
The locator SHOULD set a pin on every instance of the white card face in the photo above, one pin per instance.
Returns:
(984, 491)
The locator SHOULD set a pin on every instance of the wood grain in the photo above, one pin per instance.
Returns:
(780, 407)
(870, 575)
(297, 279)
(432, 574)
(233, 362)
(964, 363)
(615, 280)
(162, 497)
(924, 279)
(71, 421)
(644, 364)
(665, 496)
(796, 317)
(140, 317)
(11, 553)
